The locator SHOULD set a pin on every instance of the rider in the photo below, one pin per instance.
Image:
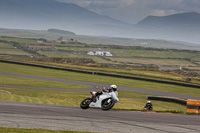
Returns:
(111, 89)
(114, 88)
(149, 105)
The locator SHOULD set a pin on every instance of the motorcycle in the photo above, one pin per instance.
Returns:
(147, 108)
(105, 101)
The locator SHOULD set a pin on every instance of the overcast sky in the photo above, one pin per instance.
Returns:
(133, 11)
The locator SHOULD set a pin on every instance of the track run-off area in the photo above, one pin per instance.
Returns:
(29, 115)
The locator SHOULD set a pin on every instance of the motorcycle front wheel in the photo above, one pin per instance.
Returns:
(85, 103)
(107, 104)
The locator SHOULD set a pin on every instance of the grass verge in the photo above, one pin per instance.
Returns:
(30, 82)
(128, 100)
(6, 67)
(23, 130)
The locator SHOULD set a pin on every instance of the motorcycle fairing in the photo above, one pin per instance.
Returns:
(97, 104)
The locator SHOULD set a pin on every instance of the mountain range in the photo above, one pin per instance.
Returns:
(51, 14)
(44, 14)
(182, 27)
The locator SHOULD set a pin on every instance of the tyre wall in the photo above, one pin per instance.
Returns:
(168, 99)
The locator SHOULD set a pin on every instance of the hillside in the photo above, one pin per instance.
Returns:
(56, 31)
(45, 14)
(182, 27)
(191, 18)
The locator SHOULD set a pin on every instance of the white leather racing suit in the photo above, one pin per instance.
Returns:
(114, 95)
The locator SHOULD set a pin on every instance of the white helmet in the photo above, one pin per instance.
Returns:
(114, 87)
(148, 101)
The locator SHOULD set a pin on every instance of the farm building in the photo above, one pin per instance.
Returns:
(42, 48)
(100, 52)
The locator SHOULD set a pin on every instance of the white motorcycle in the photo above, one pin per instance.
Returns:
(105, 101)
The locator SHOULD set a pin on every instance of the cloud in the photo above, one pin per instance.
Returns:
(135, 10)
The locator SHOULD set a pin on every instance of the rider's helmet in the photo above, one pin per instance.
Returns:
(148, 101)
(113, 87)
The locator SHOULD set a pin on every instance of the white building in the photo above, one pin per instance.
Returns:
(99, 52)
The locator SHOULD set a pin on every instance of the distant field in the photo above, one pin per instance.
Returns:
(20, 40)
(77, 48)
(99, 40)
(5, 45)
(153, 53)
(7, 49)
(196, 58)
(148, 56)
(124, 56)
(158, 62)
(16, 52)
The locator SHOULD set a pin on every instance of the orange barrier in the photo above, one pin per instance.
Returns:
(193, 106)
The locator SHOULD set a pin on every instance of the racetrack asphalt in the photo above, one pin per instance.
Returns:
(28, 115)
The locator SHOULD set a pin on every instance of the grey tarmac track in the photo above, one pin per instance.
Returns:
(27, 115)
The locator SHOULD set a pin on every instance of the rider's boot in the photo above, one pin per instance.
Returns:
(94, 98)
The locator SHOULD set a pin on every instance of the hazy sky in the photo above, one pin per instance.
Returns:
(133, 11)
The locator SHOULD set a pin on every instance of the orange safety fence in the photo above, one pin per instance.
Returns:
(193, 106)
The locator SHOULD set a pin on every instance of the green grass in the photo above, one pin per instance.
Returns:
(130, 72)
(196, 58)
(29, 82)
(23, 130)
(7, 49)
(19, 40)
(152, 53)
(158, 106)
(13, 52)
(74, 48)
(5, 45)
(159, 62)
(4, 67)
(43, 97)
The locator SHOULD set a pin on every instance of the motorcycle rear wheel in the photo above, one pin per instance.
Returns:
(85, 103)
(107, 104)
